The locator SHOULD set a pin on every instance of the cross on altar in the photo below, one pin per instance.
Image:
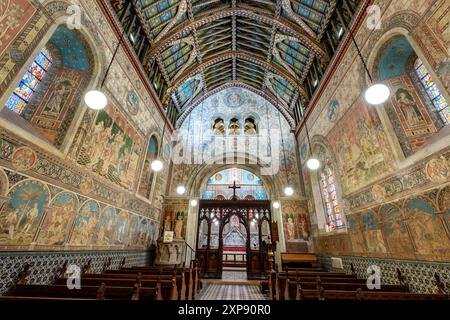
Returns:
(234, 190)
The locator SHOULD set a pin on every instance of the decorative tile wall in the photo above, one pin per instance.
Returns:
(46, 265)
(419, 274)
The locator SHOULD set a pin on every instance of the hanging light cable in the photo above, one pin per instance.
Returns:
(96, 99)
(288, 191)
(157, 165)
(377, 93)
(312, 163)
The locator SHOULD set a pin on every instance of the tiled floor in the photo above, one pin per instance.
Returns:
(233, 286)
(217, 291)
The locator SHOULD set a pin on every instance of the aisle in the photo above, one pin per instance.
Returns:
(233, 286)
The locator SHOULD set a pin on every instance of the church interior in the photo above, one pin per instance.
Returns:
(224, 150)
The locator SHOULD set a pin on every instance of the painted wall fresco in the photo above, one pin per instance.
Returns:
(74, 214)
(361, 148)
(58, 219)
(147, 175)
(112, 149)
(239, 104)
(426, 227)
(411, 118)
(395, 208)
(19, 217)
(409, 228)
(296, 224)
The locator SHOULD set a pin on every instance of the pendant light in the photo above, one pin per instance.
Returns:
(288, 191)
(96, 99)
(157, 165)
(313, 163)
(376, 93)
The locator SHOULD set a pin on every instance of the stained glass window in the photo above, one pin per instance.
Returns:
(433, 92)
(330, 198)
(30, 82)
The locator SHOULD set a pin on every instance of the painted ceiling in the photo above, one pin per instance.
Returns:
(394, 58)
(203, 45)
(73, 52)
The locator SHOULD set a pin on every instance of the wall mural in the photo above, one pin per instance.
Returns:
(20, 217)
(372, 233)
(85, 224)
(355, 232)
(112, 149)
(427, 229)
(295, 223)
(54, 107)
(395, 230)
(58, 219)
(240, 104)
(411, 119)
(363, 153)
(404, 229)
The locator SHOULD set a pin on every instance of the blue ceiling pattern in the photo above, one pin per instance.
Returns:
(393, 61)
(72, 50)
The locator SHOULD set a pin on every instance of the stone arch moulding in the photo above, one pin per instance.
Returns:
(400, 23)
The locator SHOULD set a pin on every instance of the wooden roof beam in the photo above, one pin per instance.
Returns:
(281, 23)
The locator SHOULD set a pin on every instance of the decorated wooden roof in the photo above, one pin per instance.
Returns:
(199, 46)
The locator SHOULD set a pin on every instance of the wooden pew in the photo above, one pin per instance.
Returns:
(173, 287)
(168, 288)
(86, 292)
(321, 294)
(289, 288)
(291, 259)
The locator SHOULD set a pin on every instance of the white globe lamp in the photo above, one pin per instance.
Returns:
(95, 100)
(181, 190)
(377, 94)
(288, 191)
(313, 164)
(157, 165)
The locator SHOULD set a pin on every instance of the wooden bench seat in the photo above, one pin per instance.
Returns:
(366, 295)
(169, 290)
(89, 292)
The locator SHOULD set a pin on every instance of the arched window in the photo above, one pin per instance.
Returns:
(333, 209)
(30, 82)
(49, 95)
(433, 92)
(147, 175)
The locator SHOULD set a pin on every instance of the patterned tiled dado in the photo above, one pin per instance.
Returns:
(419, 274)
(45, 265)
